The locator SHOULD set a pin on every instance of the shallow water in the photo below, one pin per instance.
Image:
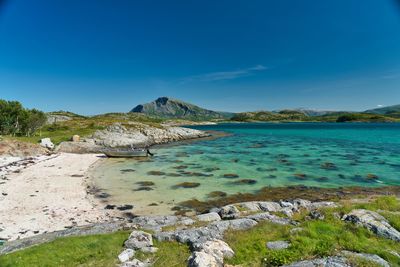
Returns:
(254, 156)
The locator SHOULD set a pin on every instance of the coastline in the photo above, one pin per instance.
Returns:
(47, 196)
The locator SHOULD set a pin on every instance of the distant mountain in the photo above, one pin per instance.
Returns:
(166, 107)
(316, 112)
(385, 110)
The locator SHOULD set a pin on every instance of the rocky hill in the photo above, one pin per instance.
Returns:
(385, 110)
(165, 107)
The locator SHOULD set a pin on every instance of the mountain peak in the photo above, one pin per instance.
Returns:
(167, 107)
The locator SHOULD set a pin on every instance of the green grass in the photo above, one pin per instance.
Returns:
(318, 239)
(171, 254)
(94, 250)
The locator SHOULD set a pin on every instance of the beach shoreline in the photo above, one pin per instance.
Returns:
(47, 196)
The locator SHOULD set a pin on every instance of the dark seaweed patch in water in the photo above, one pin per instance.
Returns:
(211, 169)
(180, 167)
(322, 179)
(156, 173)
(103, 195)
(244, 181)
(145, 183)
(230, 175)
(300, 176)
(215, 194)
(127, 170)
(172, 174)
(328, 166)
(181, 155)
(341, 176)
(186, 185)
(371, 176)
(197, 174)
(125, 207)
(271, 176)
(144, 188)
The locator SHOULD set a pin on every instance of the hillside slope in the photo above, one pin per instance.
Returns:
(172, 108)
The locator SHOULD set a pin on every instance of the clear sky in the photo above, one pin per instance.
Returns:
(96, 56)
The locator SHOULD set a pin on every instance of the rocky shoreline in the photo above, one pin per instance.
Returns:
(130, 134)
(204, 233)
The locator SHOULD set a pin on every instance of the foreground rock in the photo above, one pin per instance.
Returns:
(324, 262)
(210, 253)
(369, 257)
(130, 134)
(374, 222)
(343, 260)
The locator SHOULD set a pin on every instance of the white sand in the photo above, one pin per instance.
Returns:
(45, 197)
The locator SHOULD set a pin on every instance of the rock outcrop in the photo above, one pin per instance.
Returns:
(130, 134)
(374, 222)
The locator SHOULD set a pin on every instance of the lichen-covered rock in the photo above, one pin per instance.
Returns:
(334, 261)
(374, 222)
(202, 259)
(269, 206)
(126, 255)
(266, 216)
(138, 240)
(208, 217)
(216, 248)
(369, 257)
(155, 223)
(229, 212)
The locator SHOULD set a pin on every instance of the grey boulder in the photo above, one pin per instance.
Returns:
(374, 222)
(138, 240)
(278, 245)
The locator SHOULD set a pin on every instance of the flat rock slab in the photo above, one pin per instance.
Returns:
(278, 245)
(324, 262)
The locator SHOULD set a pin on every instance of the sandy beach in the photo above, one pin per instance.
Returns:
(47, 196)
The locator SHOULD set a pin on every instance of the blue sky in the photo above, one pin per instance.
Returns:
(101, 56)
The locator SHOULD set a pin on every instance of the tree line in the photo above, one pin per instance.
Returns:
(16, 120)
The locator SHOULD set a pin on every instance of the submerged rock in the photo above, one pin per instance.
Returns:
(187, 185)
(215, 194)
(374, 222)
(245, 181)
(230, 175)
(145, 183)
(157, 173)
(328, 166)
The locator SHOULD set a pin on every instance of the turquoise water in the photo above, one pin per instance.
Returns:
(257, 155)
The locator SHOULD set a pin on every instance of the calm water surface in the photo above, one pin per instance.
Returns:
(254, 156)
